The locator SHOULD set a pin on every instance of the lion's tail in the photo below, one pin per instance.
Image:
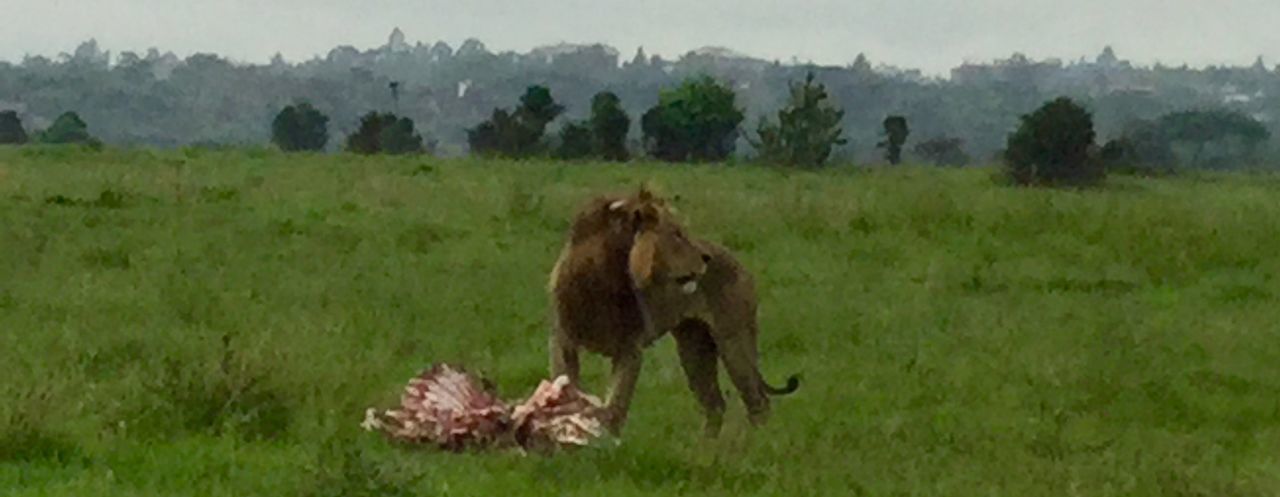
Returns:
(793, 383)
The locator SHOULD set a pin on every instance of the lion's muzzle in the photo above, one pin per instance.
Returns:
(688, 284)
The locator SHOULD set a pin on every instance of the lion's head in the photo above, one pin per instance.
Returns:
(659, 252)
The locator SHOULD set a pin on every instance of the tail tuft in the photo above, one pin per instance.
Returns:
(793, 383)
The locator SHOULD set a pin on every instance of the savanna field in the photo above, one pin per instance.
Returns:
(216, 323)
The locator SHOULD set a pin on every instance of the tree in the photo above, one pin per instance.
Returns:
(806, 130)
(1142, 147)
(385, 133)
(1052, 147)
(696, 121)
(497, 136)
(575, 141)
(1226, 136)
(300, 127)
(537, 108)
(68, 128)
(896, 131)
(367, 139)
(516, 134)
(609, 126)
(399, 137)
(1198, 138)
(11, 132)
(943, 151)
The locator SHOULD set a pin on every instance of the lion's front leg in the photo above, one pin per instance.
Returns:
(626, 371)
(564, 357)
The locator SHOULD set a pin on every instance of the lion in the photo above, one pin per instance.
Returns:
(628, 274)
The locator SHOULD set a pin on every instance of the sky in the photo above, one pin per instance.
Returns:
(931, 35)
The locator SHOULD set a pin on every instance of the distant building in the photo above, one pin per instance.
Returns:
(594, 57)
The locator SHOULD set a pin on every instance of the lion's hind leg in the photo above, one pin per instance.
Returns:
(738, 351)
(698, 358)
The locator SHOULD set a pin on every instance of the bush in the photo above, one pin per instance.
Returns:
(1052, 147)
(1215, 138)
(11, 132)
(806, 131)
(1196, 138)
(943, 151)
(68, 128)
(609, 126)
(575, 141)
(696, 121)
(399, 137)
(896, 131)
(300, 127)
(385, 133)
(516, 134)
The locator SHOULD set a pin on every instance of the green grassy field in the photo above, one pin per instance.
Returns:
(216, 323)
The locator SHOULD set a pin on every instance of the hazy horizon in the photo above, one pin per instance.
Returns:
(931, 35)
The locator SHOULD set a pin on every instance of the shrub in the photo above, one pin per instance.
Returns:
(11, 132)
(609, 126)
(896, 131)
(300, 127)
(385, 133)
(516, 134)
(1052, 147)
(68, 128)
(806, 130)
(943, 151)
(575, 141)
(696, 121)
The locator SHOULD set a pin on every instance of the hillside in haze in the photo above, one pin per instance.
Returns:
(158, 99)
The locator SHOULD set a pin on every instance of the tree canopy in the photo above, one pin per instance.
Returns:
(696, 121)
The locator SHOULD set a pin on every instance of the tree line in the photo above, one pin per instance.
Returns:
(158, 99)
(698, 121)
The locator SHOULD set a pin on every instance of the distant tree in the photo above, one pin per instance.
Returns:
(1052, 147)
(575, 141)
(367, 139)
(609, 126)
(300, 127)
(11, 132)
(696, 121)
(1141, 148)
(896, 132)
(385, 133)
(1216, 137)
(497, 136)
(399, 137)
(806, 130)
(943, 151)
(68, 128)
(520, 133)
(537, 108)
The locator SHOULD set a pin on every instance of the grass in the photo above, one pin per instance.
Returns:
(215, 323)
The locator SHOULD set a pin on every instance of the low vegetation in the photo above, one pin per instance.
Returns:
(216, 322)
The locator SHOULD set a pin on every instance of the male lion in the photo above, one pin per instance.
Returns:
(627, 275)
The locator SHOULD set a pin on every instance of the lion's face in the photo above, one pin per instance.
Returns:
(662, 255)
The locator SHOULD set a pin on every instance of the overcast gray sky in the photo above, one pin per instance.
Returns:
(932, 35)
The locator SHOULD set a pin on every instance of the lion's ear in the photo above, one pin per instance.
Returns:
(640, 263)
(646, 217)
(646, 192)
